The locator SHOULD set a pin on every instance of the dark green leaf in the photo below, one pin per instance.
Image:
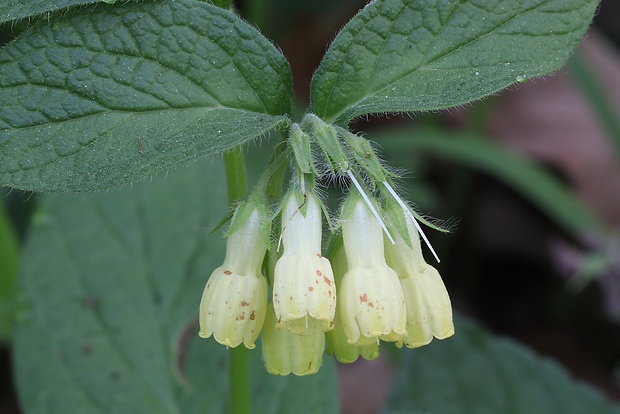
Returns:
(109, 305)
(20, 9)
(474, 372)
(113, 95)
(419, 55)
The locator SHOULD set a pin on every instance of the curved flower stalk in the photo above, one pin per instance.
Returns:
(371, 300)
(304, 292)
(234, 301)
(285, 352)
(429, 311)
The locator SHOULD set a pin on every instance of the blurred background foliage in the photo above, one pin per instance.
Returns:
(529, 180)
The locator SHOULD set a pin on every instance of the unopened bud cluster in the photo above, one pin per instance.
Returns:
(375, 286)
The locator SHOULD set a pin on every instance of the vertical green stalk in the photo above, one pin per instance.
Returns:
(235, 175)
(239, 381)
(9, 259)
(239, 361)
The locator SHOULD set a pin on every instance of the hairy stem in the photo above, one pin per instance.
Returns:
(239, 361)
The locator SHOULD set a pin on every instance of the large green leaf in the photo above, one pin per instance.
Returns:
(474, 372)
(419, 55)
(20, 9)
(110, 295)
(105, 97)
(537, 185)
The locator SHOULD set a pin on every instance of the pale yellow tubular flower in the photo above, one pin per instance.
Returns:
(304, 292)
(285, 352)
(234, 301)
(337, 341)
(371, 301)
(429, 311)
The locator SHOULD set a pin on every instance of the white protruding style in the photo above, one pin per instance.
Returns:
(370, 205)
(415, 222)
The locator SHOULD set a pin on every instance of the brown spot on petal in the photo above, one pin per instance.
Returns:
(310, 288)
(319, 255)
(244, 303)
(227, 272)
(318, 272)
(252, 316)
(329, 282)
(329, 292)
(363, 298)
(371, 304)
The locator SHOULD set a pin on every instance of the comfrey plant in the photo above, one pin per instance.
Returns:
(404, 301)
(95, 95)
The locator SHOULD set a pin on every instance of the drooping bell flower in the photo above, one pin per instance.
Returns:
(337, 341)
(371, 301)
(234, 301)
(304, 292)
(429, 311)
(285, 352)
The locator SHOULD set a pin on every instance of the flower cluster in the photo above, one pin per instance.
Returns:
(376, 287)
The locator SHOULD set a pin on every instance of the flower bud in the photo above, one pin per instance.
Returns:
(429, 312)
(285, 352)
(234, 301)
(371, 300)
(304, 293)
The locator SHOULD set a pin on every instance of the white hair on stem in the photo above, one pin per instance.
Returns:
(415, 222)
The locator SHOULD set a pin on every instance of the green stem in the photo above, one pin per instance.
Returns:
(239, 361)
(235, 175)
(239, 381)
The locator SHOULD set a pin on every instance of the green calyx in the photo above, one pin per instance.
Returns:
(339, 151)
